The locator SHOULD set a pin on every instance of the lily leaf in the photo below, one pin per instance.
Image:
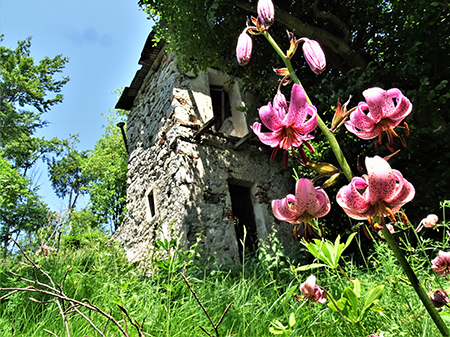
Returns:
(373, 297)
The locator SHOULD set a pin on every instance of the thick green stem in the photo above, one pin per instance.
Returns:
(415, 282)
(322, 126)
(387, 235)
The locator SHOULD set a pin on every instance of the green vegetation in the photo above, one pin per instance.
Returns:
(96, 271)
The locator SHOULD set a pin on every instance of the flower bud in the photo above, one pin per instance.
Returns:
(439, 298)
(314, 56)
(244, 48)
(430, 220)
(266, 12)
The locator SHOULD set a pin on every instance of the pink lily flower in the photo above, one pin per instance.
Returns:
(441, 264)
(382, 192)
(307, 204)
(289, 126)
(244, 48)
(384, 114)
(312, 291)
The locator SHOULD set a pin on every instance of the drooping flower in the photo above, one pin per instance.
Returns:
(314, 55)
(439, 298)
(387, 109)
(244, 48)
(312, 291)
(382, 192)
(266, 12)
(289, 126)
(307, 204)
(430, 220)
(441, 264)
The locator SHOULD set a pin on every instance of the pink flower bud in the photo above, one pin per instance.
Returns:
(266, 12)
(244, 48)
(314, 56)
(430, 220)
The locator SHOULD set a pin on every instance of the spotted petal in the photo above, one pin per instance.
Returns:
(270, 117)
(380, 103)
(381, 179)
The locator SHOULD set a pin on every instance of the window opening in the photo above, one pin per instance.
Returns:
(151, 203)
(243, 216)
(220, 104)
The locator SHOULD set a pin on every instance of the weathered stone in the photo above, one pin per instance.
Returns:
(179, 185)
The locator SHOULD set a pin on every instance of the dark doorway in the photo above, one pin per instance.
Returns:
(243, 217)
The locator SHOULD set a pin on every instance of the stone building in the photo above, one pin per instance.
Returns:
(194, 164)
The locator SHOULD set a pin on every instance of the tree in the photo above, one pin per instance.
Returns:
(100, 173)
(106, 168)
(24, 97)
(397, 43)
(27, 91)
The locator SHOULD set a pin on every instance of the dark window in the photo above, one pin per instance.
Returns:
(243, 218)
(151, 203)
(220, 104)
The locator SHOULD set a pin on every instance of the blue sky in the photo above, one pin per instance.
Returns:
(103, 40)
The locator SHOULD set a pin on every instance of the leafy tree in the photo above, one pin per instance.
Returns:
(27, 91)
(396, 43)
(106, 168)
(21, 209)
(100, 173)
(24, 96)
(67, 177)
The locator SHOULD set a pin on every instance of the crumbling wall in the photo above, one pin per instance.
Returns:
(187, 178)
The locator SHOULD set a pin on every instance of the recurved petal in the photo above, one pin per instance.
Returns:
(380, 178)
(404, 191)
(297, 108)
(305, 197)
(323, 203)
(310, 124)
(354, 203)
(307, 287)
(282, 211)
(380, 103)
(360, 120)
(402, 108)
(363, 134)
(272, 139)
(270, 117)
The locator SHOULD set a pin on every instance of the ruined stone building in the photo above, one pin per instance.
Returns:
(194, 164)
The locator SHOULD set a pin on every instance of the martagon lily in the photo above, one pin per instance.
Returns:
(387, 109)
(382, 192)
(289, 126)
(309, 202)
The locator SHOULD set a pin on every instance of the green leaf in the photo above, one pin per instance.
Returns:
(291, 320)
(310, 266)
(373, 296)
(357, 288)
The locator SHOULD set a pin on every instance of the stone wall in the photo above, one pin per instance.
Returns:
(179, 185)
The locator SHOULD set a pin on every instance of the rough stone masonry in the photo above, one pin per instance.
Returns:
(193, 167)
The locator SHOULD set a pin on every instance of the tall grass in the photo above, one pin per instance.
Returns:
(261, 293)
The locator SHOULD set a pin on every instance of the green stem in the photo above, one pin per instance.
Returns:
(415, 282)
(322, 126)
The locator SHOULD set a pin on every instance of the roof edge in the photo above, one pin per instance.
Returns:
(148, 57)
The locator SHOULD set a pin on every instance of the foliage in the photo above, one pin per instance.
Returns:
(27, 91)
(99, 272)
(403, 44)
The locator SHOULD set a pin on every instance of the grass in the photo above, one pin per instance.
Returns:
(261, 293)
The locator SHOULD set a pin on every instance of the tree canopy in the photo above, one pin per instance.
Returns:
(27, 91)
(397, 43)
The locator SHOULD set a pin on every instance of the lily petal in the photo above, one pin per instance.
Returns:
(270, 117)
(381, 179)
